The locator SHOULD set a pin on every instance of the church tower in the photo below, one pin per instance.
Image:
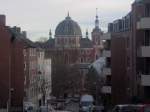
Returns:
(96, 33)
(50, 34)
(87, 34)
(96, 38)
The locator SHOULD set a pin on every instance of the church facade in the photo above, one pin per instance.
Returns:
(68, 37)
(69, 47)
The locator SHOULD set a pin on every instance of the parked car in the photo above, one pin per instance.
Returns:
(76, 99)
(86, 103)
(132, 108)
(145, 108)
(98, 108)
(67, 101)
(29, 107)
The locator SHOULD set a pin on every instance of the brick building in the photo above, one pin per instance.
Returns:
(130, 54)
(106, 89)
(71, 48)
(5, 66)
(11, 68)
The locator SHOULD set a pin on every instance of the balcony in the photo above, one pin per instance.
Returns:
(145, 51)
(106, 53)
(145, 80)
(144, 23)
(106, 36)
(107, 71)
(106, 90)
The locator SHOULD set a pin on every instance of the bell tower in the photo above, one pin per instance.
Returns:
(97, 19)
(96, 33)
(50, 34)
(96, 37)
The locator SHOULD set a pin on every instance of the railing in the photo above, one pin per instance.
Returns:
(144, 23)
(145, 51)
(145, 80)
(107, 71)
(106, 53)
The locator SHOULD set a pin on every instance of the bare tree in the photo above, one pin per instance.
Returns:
(65, 75)
(94, 83)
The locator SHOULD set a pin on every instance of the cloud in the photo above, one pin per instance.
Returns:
(38, 16)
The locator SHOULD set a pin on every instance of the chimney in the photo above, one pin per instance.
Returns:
(17, 29)
(2, 20)
(24, 33)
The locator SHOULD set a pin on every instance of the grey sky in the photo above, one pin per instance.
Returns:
(38, 16)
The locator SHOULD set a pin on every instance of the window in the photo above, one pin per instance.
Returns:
(97, 57)
(81, 60)
(24, 52)
(147, 38)
(128, 61)
(25, 66)
(58, 41)
(147, 10)
(108, 62)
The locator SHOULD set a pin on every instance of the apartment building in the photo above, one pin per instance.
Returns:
(106, 70)
(130, 54)
(38, 77)
(11, 67)
(141, 47)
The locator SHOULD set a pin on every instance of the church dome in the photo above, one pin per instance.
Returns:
(68, 27)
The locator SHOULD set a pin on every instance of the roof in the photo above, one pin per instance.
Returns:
(99, 64)
(87, 98)
(86, 43)
(68, 27)
(50, 43)
(131, 105)
(96, 29)
(39, 44)
(19, 36)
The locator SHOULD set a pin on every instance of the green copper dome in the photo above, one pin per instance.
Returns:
(68, 27)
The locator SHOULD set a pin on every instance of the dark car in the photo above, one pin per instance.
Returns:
(132, 108)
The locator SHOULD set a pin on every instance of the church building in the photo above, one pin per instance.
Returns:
(69, 47)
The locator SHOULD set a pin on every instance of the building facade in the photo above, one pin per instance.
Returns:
(106, 89)
(70, 48)
(4, 65)
(130, 59)
(140, 35)
(11, 68)
(38, 76)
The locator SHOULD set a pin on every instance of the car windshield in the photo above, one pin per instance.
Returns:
(43, 109)
(127, 109)
(147, 109)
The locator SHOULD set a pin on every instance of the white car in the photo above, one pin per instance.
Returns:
(86, 103)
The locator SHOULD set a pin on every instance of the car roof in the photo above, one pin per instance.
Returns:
(126, 105)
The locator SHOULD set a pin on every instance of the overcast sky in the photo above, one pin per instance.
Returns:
(38, 16)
